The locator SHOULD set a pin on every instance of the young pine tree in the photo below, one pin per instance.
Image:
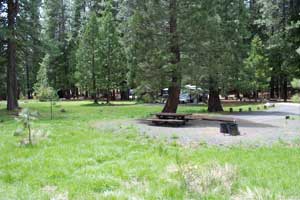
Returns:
(42, 89)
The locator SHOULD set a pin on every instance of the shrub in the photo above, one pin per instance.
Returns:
(296, 84)
(147, 98)
(296, 98)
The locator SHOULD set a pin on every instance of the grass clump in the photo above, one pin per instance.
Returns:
(211, 180)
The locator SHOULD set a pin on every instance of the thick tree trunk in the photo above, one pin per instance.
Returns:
(174, 90)
(125, 95)
(12, 88)
(124, 92)
(173, 99)
(214, 102)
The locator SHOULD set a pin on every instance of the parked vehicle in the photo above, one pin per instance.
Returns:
(184, 98)
(189, 94)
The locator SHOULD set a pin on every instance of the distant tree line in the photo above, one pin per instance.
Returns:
(93, 48)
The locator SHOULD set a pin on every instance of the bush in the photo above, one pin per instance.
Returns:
(296, 98)
(147, 98)
(296, 83)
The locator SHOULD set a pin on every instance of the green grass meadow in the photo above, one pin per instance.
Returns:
(77, 161)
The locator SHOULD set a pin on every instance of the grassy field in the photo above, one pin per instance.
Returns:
(76, 161)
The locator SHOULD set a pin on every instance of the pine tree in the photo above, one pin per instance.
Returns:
(56, 41)
(42, 88)
(111, 54)
(234, 25)
(42, 75)
(3, 52)
(87, 60)
(30, 54)
(147, 47)
(256, 75)
(205, 49)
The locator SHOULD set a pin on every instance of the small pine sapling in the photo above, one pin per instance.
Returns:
(25, 118)
(52, 98)
(42, 88)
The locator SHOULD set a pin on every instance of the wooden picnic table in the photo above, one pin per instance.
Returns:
(174, 116)
(170, 118)
(181, 119)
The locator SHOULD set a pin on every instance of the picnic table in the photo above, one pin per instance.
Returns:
(171, 118)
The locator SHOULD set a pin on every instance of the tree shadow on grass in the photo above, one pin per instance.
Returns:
(6, 116)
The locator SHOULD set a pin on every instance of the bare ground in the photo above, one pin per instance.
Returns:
(257, 128)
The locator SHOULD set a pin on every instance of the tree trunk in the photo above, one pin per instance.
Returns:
(125, 95)
(173, 99)
(124, 91)
(94, 94)
(256, 96)
(113, 98)
(86, 95)
(12, 88)
(214, 102)
(174, 90)
(28, 80)
(277, 87)
(108, 95)
(285, 89)
(272, 88)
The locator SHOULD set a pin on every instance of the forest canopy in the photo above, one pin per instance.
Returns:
(93, 48)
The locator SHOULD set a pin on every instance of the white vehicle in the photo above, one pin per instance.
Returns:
(184, 98)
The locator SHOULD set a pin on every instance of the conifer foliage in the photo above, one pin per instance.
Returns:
(98, 49)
